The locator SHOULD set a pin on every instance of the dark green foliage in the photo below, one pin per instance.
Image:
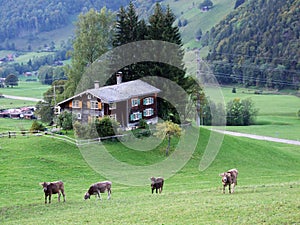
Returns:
(45, 111)
(65, 120)
(206, 4)
(238, 3)
(198, 34)
(241, 112)
(36, 127)
(130, 28)
(258, 45)
(11, 80)
(106, 127)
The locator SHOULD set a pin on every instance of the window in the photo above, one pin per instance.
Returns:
(148, 112)
(76, 104)
(136, 116)
(89, 97)
(135, 102)
(79, 116)
(94, 105)
(148, 101)
(112, 105)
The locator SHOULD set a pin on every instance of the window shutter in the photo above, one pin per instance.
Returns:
(99, 106)
(80, 104)
(70, 104)
(139, 101)
(88, 105)
(131, 117)
(140, 115)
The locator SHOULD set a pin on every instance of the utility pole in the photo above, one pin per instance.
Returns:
(198, 119)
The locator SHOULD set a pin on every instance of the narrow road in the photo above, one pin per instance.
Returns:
(259, 137)
(23, 98)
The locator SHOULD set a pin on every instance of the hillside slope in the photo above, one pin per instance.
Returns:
(268, 184)
(258, 44)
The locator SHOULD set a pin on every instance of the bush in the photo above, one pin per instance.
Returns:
(36, 127)
(241, 112)
(106, 127)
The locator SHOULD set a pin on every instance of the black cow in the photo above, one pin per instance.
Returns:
(229, 178)
(56, 187)
(98, 188)
(157, 184)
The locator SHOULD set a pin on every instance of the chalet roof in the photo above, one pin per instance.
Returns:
(120, 92)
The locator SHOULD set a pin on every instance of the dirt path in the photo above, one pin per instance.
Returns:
(23, 98)
(259, 137)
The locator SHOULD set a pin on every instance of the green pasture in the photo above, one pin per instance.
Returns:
(267, 191)
(6, 103)
(198, 19)
(32, 89)
(277, 115)
(17, 125)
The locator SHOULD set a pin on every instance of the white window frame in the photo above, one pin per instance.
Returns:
(89, 97)
(148, 101)
(136, 116)
(79, 116)
(94, 104)
(148, 112)
(134, 102)
(75, 104)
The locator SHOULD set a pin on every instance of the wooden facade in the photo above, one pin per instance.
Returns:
(128, 109)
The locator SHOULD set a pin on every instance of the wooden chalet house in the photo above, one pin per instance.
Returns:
(126, 102)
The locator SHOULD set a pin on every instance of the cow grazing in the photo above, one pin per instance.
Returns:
(157, 184)
(56, 187)
(98, 188)
(229, 179)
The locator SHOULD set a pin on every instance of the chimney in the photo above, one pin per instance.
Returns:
(96, 84)
(119, 77)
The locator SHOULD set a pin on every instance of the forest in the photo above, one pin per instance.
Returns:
(258, 45)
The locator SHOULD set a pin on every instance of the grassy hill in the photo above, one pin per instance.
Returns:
(268, 186)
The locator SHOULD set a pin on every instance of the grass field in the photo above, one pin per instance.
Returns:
(277, 115)
(267, 192)
(33, 89)
(197, 19)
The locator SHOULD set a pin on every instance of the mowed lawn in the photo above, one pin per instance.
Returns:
(267, 192)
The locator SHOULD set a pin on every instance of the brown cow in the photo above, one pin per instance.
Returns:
(157, 184)
(229, 178)
(56, 187)
(98, 188)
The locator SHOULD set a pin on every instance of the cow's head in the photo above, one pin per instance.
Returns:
(45, 185)
(153, 180)
(87, 196)
(225, 177)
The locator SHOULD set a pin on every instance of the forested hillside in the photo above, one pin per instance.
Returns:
(258, 45)
(20, 18)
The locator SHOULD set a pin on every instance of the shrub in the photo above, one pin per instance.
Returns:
(106, 127)
(241, 112)
(36, 127)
